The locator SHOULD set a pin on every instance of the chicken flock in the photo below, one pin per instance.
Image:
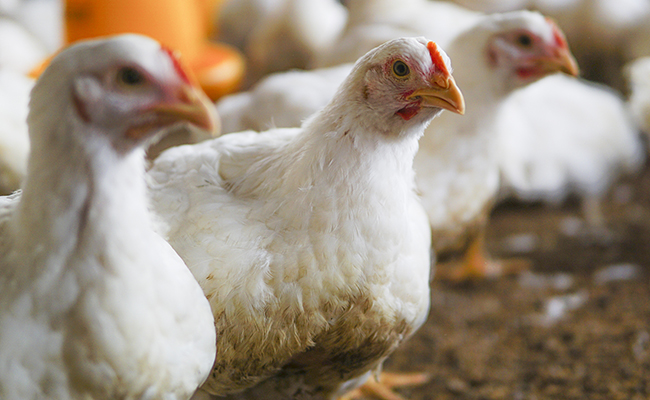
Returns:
(289, 257)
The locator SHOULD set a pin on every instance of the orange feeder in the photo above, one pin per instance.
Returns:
(179, 24)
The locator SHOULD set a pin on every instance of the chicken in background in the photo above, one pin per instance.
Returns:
(457, 165)
(278, 35)
(235, 20)
(638, 78)
(41, 20)
(294, 36)
(20, 50)
(563, 136)
(93, 303)
(311, 243)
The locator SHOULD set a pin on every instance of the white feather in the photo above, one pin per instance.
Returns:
(562, 135)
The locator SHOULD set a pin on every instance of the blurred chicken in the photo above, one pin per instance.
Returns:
(294, 36)
(14, 139)
(371, 22)
(565, 136)
(457, 164)
(311, 243)
(286, 33)
(492, 6)
(40, 20)
(638, 76)
(237, 19)
(638, 45)
(93, 303)
(20, 50)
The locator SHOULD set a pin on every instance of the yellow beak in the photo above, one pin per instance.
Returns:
(189, 105)
(192, 106)
(562, 61)
(443, 93)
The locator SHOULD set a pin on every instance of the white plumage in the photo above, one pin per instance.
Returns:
(281, 100)
(93, 303)
(40, 21)
(238, 19)
(562, 135)
(20, 50)
(310, 243)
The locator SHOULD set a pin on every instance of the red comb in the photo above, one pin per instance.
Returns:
(436, 58)
(560, 41)
(177, 64)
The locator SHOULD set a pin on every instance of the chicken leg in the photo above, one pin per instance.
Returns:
(477, 264)
(383, 388)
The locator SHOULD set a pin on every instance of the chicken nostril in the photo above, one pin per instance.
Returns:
(442, 81)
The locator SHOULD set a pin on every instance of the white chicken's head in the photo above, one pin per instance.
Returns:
(403, 84)
(531, 47)
(126, 88)
(517, 48)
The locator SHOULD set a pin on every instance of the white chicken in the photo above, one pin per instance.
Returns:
(20, 50)
(311, 243)
(93, 303)
(457, 164)
(565, 136)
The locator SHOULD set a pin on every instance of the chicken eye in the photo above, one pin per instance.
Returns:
(400, 69)
(524, 40)
(130, 76)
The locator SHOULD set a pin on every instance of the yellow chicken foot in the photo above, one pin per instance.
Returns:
(384, 388)
(476, 264)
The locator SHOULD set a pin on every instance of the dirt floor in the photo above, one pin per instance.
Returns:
(576, 326)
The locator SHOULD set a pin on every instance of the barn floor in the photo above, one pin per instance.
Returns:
(576, 326)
